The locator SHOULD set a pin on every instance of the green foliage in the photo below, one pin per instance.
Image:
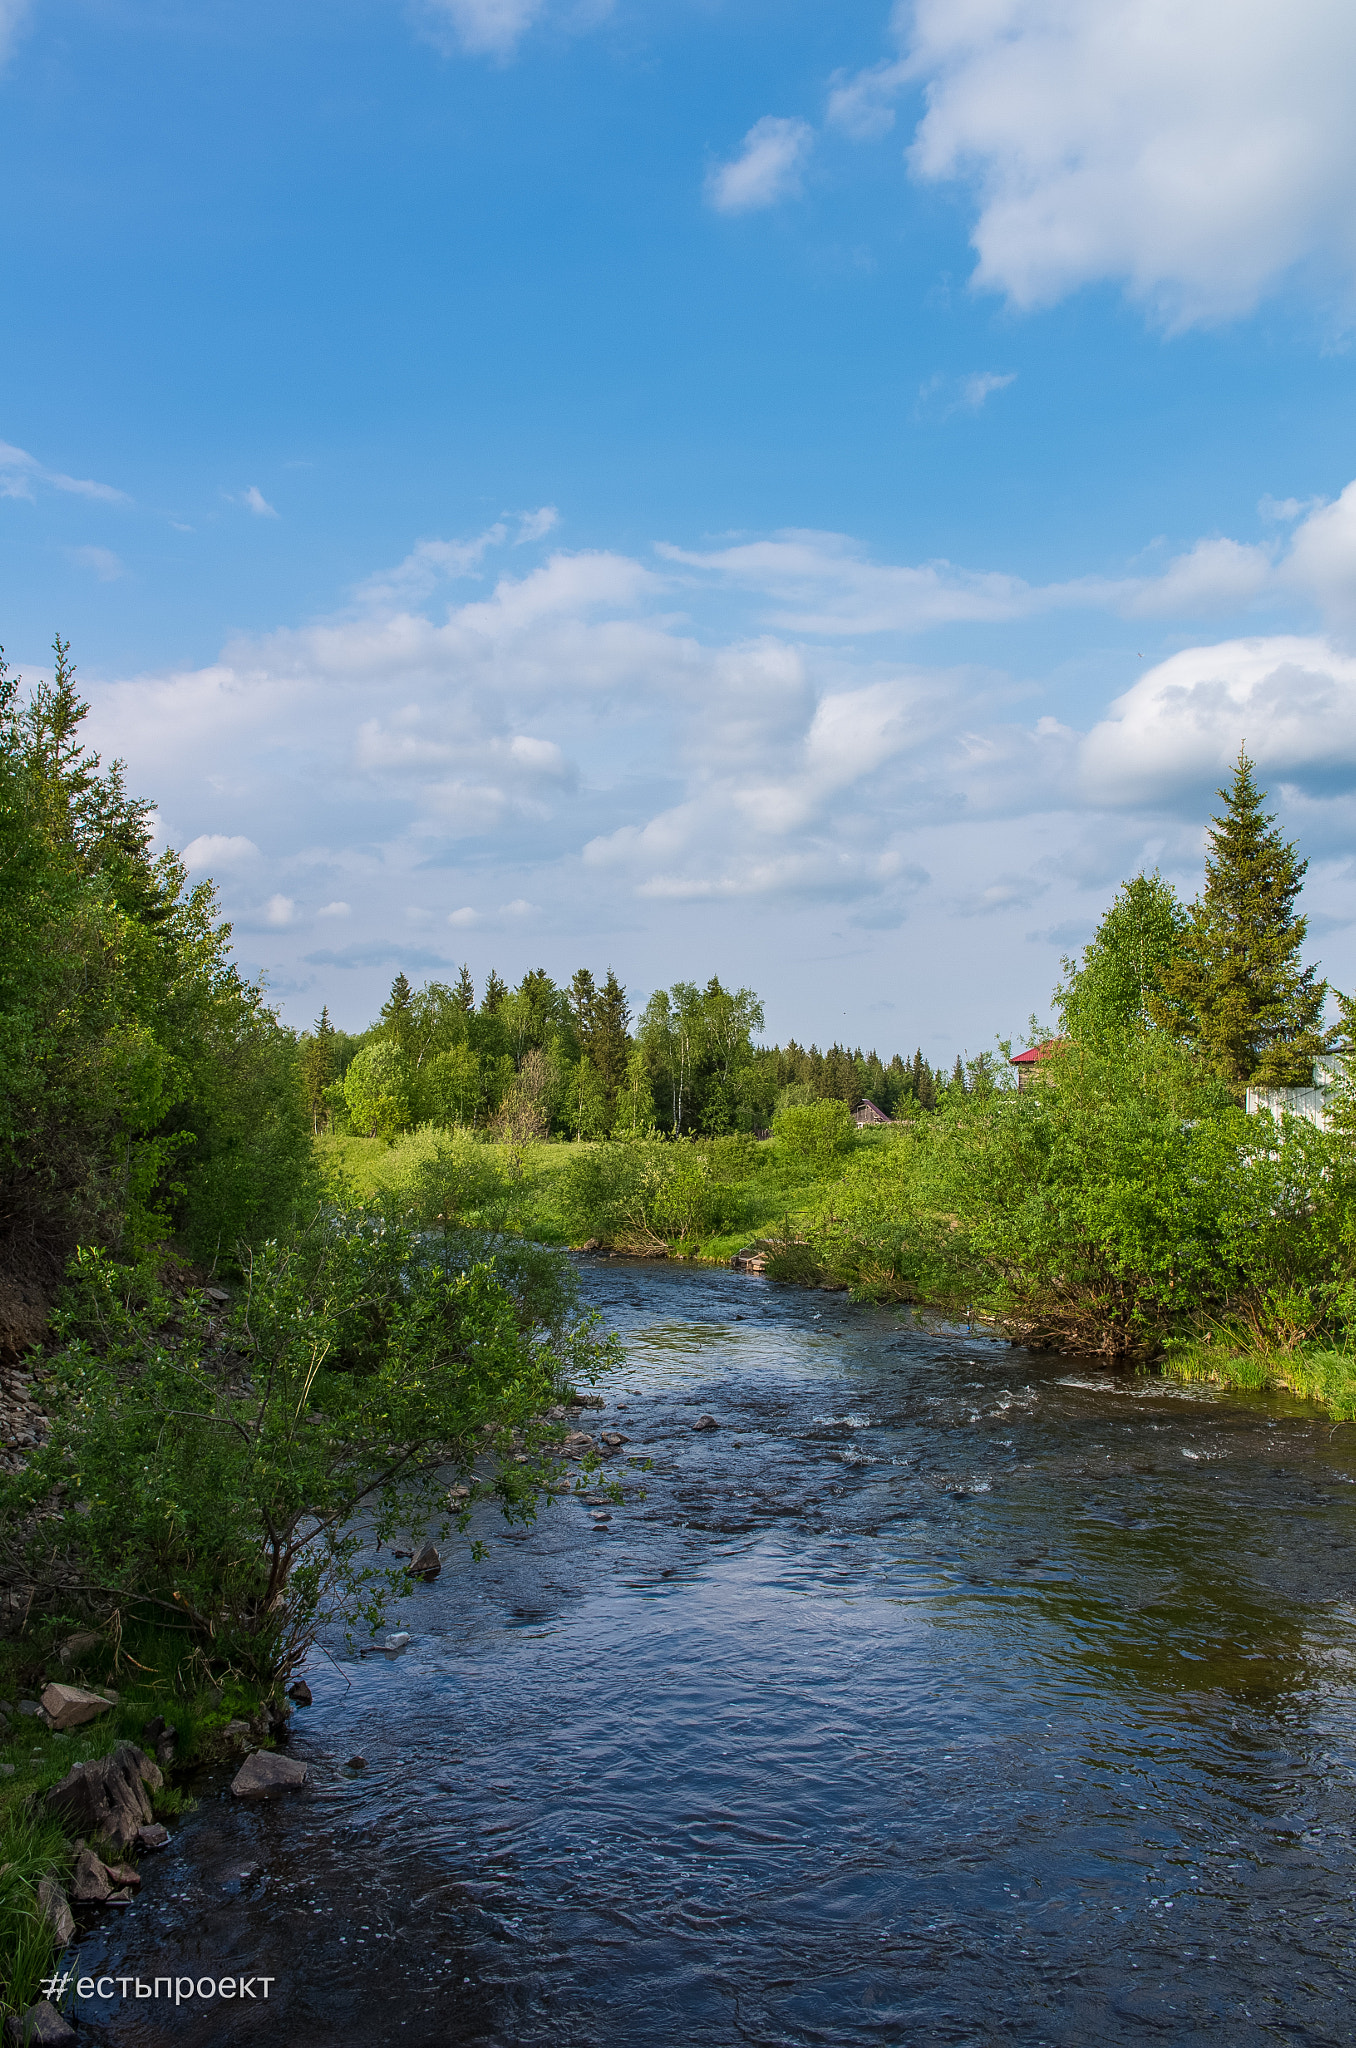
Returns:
(144, 1086)
(1235, 989)
(1109, 992)
(1121, 1198)
(814, 1133)
(644, 1197)
(378, 1091)
(211, 1476)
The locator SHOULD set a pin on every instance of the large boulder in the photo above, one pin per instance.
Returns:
(70, 1706)
(265, 1774)
(42, 2026)
(107, 1797)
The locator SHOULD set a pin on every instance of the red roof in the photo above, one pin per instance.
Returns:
(1035, 1052)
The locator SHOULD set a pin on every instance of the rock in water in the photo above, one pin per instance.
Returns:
(300, 1692)
(70, 1706)
(42, 2026)
(156, 1836)
(706, 1422)
(108, 1796)
(425, 1564)
(54, 1910)
(264, 1775)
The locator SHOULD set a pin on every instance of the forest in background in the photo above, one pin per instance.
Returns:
(540, 1061)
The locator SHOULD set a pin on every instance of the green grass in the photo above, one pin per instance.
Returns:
(1325, 1377)
(771, 1201)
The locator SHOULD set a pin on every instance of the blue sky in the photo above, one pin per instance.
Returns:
(811, 493)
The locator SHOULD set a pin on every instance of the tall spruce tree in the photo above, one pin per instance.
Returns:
(611, 1033)
(1235, 988)
(465, 992)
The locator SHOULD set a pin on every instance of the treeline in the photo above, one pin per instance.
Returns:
(540, 1061)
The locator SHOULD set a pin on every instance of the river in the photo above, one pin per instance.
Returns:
(945, 1693)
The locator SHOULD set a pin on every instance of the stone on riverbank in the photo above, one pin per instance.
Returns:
(54, 1910)
(156, 1836)
(108, 1796)
(70, 1706)
(301, 1693)
(90, 1882)
(42, 2026)
(264, 1775)
(577, 1445)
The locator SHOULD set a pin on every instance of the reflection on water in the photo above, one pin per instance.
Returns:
(946, 1693)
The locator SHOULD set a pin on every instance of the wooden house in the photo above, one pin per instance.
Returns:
(867, 1113)
(1028, 1063)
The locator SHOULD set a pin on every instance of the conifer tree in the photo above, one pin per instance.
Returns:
(397, 1012)
(318, 1068)
(1235, 988)
(464, 995)
(495, 994)
(611, 1033)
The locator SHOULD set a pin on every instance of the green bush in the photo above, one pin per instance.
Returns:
(211, 1476)
(814, 1134)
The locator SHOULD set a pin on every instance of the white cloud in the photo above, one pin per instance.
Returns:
(254, 501)
(12, 13)
(575, 752)
(767, 169)
(492, 28)
(1291, 699)
(942, 396)
(102, 562)
(19, 471)
(219, 850)
(536, 525)
(1195, 153)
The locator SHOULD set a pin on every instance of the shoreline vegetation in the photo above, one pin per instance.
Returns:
(261, 1290)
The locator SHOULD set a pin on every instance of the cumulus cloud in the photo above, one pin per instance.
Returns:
(767, 169)
(1290, 699)
(1195, 153)
(212, 850)
(20, 471)
(611, 744)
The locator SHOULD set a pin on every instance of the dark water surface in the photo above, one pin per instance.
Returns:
(947, 1693)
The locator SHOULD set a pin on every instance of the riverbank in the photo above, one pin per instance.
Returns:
(180, 1729)
(1325, 1377)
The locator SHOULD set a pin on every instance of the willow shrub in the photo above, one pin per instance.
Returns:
(1122, 1197)
(227, 1479)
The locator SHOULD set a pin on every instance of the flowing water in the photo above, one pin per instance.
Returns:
(945, 1693)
